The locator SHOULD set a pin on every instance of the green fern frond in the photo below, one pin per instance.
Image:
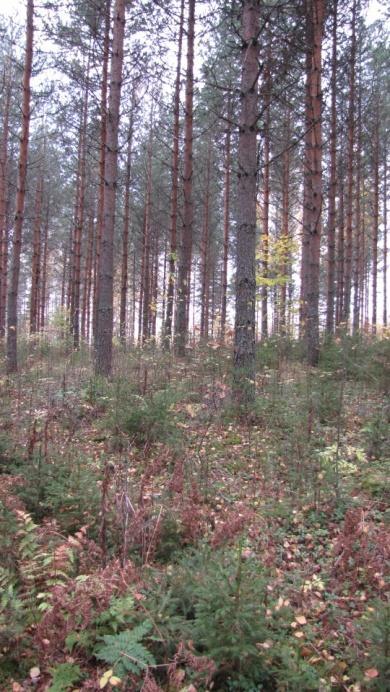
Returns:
(125, 652)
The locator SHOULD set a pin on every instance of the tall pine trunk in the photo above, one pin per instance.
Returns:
(44, 282)
(125, 239)
(79, 215)
(266, 197)
(36, 257)
(184, 271)
(226, 224)
(12, 318)
(375, 218)
(350, 175)
(285, 260)
(244, 329)
(102, 155)
(205, 252)
(385, 240)
(331, 266)
(174, 191)
(313, 178)
(3, 204)
(104, 317)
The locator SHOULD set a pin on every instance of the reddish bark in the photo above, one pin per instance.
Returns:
(12, 317)
(331, 259)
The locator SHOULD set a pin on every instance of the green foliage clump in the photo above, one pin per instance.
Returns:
(145, 419)
(219, 600)
(374, 630)
(60, 487)
(272, 351)
(376, 433)
(325, 398)
(125, 651)
(362, 359)
(64, 677)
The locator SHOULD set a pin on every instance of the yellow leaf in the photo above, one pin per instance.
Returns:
(105, 679)
(34, 672)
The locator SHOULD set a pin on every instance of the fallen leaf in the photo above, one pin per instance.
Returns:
(371, 673)
(105, 679)
(301, 620)
(34, 672)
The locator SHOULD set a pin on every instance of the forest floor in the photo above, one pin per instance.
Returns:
(154, 538)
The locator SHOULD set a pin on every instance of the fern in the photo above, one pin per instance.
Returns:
(125, 652)
(11, 609)
(64, 676)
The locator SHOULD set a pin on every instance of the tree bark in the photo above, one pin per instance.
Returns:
(36, 257)
(266, 197)
(174, 191)
(104, 323)
(375, 219)
(102, 155)
(87, 280)
(79, 216)
(385, 242)
(12, 318)
(331, 273)
(184, 271)
(226, 224)
(285, 234)
(357, 264)
(313, 179)
(125, 238)
(43, 292)
(205, 259)
(350, 175)
(146, 246)
(340, 246)
(3, 205)
(244, 331)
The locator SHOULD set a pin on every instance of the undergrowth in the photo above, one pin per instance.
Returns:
(151, 540)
